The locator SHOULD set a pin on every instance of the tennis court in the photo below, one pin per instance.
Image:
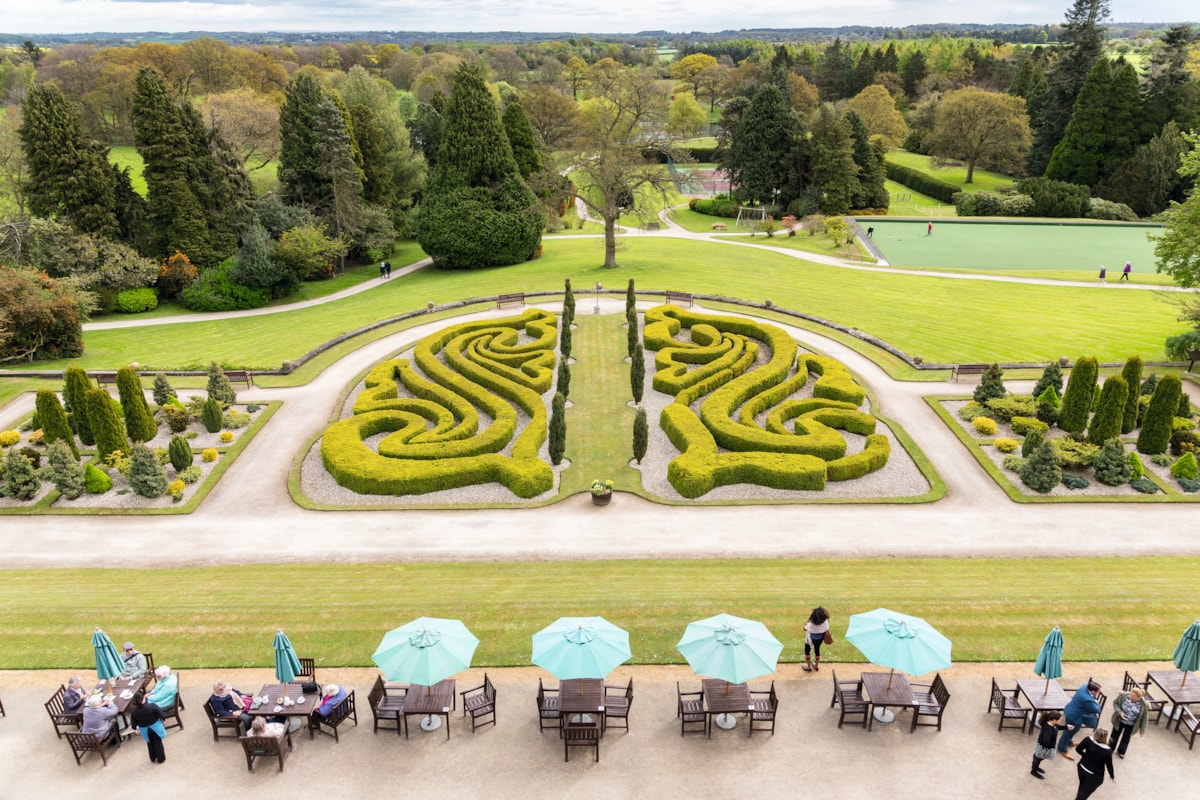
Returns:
(999, 246)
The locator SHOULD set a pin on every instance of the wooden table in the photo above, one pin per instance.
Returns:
(725, 699)
(302, 705)
(579, 698)
(123, 685)
(1178, 692)
(1042, 697)
(886, 689)
(430, 702)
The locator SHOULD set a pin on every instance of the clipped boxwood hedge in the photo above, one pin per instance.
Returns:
(921, 182)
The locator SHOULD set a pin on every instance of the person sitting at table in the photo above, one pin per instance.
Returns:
(75, 696)
(135, 662)
(165, 688)
(260, 727)
(332, 695)
(147, 719)
(1082, 711)
(228, 702)
(98, 714)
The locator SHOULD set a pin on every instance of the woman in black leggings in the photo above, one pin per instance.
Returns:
(814, 636)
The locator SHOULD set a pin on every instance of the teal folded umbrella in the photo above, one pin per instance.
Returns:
(730, 648)
(1187, 652)
(1049, 660)
(108, 660)
(580, 647)
(898, 641)
(425, 651)
(287, 663)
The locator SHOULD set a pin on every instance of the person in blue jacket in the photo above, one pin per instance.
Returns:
(332, 695)
(1082, 711)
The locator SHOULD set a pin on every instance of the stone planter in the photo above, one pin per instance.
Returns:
(601, 499)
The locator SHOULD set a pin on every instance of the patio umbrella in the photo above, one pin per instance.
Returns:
(580, 647)
(287, 663)
(1049, 660)
(730, 648)
(108, 661)
(1187, 652)
(898, 641)
(424, 652)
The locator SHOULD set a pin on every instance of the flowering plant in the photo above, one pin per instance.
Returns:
(601, 486)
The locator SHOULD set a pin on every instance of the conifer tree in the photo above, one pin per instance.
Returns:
(991, 385)
(76, 384)
(1041, 471)
(759, 144)
(180, 453)
(139, 424)
(630, 299)
(1110, 410)
(833, 167)
(564, 340)
(107, 427)
(162, 389)
(632, 340)
(1185, 407)
(1103, 131)
(1155, 434)
(211, 416)
(520, 138)
(641, 435)
(340, 167)
(300, 179)
(1032, 441)
(872, 171)
(146, 475)
(65, 470)
(558, 428)
(219, 388)
(569, 305)
(1186, 467)
(1111, 466)
(53, 419)
(1132, 373)
(1051, 376)
(20, 480)
(637, 376)
(1077, 400)
(563, 385)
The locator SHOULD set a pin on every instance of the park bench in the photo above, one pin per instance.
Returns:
(54, 707)
(720, 226)
(106, 378)
(932, 700)
(653, 226)
(679, 298)
(240, 376)
(1193, 357)
(967, 369)
(514, 299)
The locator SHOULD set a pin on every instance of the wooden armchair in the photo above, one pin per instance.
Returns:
(617, 702)
(581, 734)
(1009, 705)
(387, 705)
(480, 703)
(931, 703)
(219, 723)
(849, 695)
(84, 743)
(329, 725)
(547, 701)
(1155, 705)
(693, 717)
(171, 712)
(1188, 726)
(58, 716)
(766, 706)
(308, 671)
(150, 676)
(266, 747)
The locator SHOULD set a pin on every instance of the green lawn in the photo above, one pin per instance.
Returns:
(908, 206)
(128, 156)
(954, 320)
(984, 181)
(991, 609)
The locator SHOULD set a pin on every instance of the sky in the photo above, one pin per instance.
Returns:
(609, 16)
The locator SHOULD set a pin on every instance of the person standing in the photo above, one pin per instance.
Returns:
(382, 269)
(1083, 711)
(870, 231)
(815, 631)
(1103, 272)
(929, 229)
(1095, 756)
(1128, 269)
(1130, 710)
(147, 719)
(1047, 736)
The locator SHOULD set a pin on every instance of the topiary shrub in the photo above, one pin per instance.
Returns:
(641, 435)
(1182, 423)
(33, 456)
(20, 479)
(1014, 463)
(219, 388)
(1050, 395)
(637, 376)
(1051, 377)
(65, 470)
(1139, 469)
(1184, 442)
(1077, 400)
(96, 480)
(630, 300)
(107, 427)
(76, 385)
(1040, 471)
(1149, 385)
(1023, 426)
(1005, 408)
(1185, 467)
(146, 476)
(633, 342)
(1110, 411)
(563, 381)
(9, 438)
(53, 421)
(208, 455)
(1145, 486)
(1074, 453)
(568, 314)
(135, 301)
(226, 437)
(175, 488)
(1132, 373)
(191, 474)
(564, 340)
(558, 428)
(1032, 440)
(139, 424)
(177, 417)
(984, 426)
(1112, 468)
(180, 453)
(1006, 445)
(991, 385)
(211, 416)
(235, 419)
(1155, 434)
(162, 390)
(1073, 481)
(1185, 408)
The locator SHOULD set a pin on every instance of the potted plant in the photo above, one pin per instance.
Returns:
(601, 491)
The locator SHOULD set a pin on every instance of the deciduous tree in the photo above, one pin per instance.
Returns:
(981, 128)
(877, 109)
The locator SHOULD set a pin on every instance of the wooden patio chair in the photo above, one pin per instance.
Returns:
(766, 706)
(308, 671)
(171, 712)
(61, 719)
(2, 714)
(84, 743)
(480, 703)
(232, 724)
(849, 695)
(387, 705)
(1155, 705)
(329, 725)
(547, 701)
(266, 747)
(693, 717)
(581, 734)
(617, 702)
(1009, 705)
(931, 703)
(150, 677)
(1188, 726)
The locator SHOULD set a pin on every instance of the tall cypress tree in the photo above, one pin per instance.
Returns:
(106, 424)
(53, 420)
(300, 179)
(76, 385)
(139, 423)
(1132, 373)
(1103, 129)
(1077, 399)
(1155, 434)
(1106, 422)
(833, 167)
(520, 138)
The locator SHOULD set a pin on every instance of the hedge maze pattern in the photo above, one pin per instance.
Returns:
(463, 391)
(796, 446)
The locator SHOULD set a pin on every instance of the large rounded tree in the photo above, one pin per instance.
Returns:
(477, 211)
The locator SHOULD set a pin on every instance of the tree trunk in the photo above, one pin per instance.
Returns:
(970, 171)
(610, 240)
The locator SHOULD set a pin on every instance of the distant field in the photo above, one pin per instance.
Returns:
(983, 181)
(1015, 246)
(264, 180)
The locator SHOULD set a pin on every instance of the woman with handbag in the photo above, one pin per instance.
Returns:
(816, 633)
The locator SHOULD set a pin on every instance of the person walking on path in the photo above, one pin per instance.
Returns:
(147, 719)
(387, 268)
(1047, 736)
(870, 231)
(1130, 710)
(1103, 272)
(1082, 711)
(382, 269)
(816, 633)
(929, 229)
(1128, 269)
(1095, 756)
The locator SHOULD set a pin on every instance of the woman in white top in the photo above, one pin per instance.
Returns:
(814, 636)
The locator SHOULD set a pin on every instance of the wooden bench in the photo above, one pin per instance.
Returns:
(58, 716)
(653, 226)
(719, 226)
(514, 299)
(1188, 726)
(387, 705)
(84, 743)
(266, 747)
(931, 703)
(240, 376)
(1193, 357)
(1009, 706)
(329, 725)
(105, 378)
(967, 369)
(679, 298)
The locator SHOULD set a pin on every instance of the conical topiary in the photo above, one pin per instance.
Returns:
(641, 435)
(991, 386)
(1106, 422)
(219, 388)
(53, 419)
(630, 299)
(139, 423)
(568, 305)
(1186, 467)
(96, 479)
(106, 424)
(1155, 434)
(558, 428)
(564, 339)
(211, 416)
(563, 384)
(180, 453)
(637, 376)
(1132, 373)
(76, 385)
(632, 340)
(1051, 376)
(1077, 399)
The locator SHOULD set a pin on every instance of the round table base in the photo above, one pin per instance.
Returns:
(431, 723)
(725, 721)
(884, 715)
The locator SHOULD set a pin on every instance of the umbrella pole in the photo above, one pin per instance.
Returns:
(890, 674)
(1183, 682)
(1046, 688)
